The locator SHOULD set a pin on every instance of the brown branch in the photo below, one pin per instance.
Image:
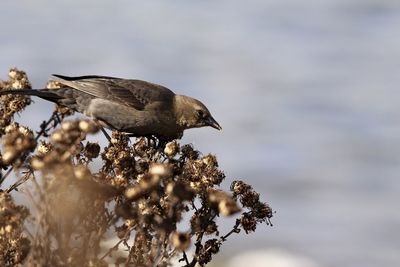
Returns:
(20, 181)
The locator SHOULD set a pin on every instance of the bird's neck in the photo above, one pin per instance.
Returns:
(182, 111)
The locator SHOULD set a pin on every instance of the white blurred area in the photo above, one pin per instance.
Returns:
(269, 258)
(307, 93)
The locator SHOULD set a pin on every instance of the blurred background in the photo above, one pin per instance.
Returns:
(306, 92)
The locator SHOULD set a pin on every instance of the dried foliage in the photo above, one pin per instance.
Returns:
(14, 246)
(13, 104)
(139, 196)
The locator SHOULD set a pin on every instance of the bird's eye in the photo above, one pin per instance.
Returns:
(200, 113)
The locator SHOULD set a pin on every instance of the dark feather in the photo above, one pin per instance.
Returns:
(43, 93)
(134, 93)
(67, 78)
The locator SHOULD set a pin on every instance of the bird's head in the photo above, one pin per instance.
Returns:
(191, 113)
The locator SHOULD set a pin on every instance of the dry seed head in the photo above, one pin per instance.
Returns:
(130, 222)
(212, 228)
(44, 148)
(225, 203)
(159, 169)
(11, 128)
(17, 85)
(143, 207)
(16, 74)
(69, 125)
(210, 161)
(24, 131)
(88, 127)
(250, 198)
(189, 152)
(147, 182)
(133, 192)
(141, 146)
(92, 150)
(8, 228)
(227, 207)
(16, 105)
(120, 180)
(57, 136)
(179, 190)
(13, 73)
(262, 211)
(119, 139)
(239, 187)
(248, 223)
(171, 149)
(196, 186)
(169, 189)
(9, 156)
(63, 111)
(52, 84)
(37, 163)
(109, 154)
(81, 172)
(141, 166)
(180, 240)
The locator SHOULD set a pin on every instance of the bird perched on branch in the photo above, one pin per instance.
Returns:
(133, 106)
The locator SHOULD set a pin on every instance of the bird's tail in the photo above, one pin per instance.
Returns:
(42, 93)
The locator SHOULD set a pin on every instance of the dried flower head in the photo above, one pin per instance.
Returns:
(171, 149)
(225, 203)
(91, 150)
(44, 148)
(61, 110)
(180, 240)
(17, 141)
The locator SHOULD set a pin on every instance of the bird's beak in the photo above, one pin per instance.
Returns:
(213, 123)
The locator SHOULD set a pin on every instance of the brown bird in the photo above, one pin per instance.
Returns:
(132, 106)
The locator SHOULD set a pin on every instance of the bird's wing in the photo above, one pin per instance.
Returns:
(134, 93)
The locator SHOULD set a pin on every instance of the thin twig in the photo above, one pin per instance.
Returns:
(105, 134)
(185, 258)
(123, 239)
(43, 127)
(235, 229)
(112, 249)
(20, 181)
(5, 175)
(223, 238)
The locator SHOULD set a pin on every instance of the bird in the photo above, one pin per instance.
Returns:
(132, 106)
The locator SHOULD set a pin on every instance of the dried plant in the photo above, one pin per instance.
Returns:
(139, 197)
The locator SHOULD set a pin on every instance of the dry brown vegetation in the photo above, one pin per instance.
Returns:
(140, 196)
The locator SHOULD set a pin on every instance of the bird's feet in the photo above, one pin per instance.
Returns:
(151, 140)
(157, 143)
